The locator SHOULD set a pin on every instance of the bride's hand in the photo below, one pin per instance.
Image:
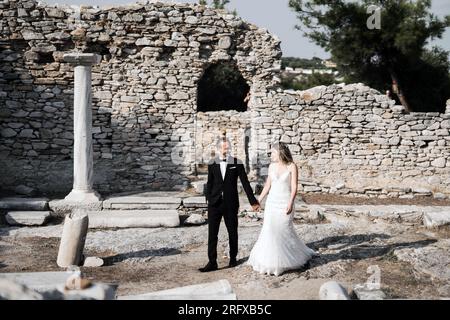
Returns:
(289, 209)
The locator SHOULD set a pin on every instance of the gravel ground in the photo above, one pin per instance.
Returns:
(412, 260)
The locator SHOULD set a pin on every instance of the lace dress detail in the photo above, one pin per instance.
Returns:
(278, 247)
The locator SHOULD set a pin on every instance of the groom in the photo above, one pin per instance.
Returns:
(223, 200)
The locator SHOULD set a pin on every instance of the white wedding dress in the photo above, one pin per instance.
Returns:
(278, 247)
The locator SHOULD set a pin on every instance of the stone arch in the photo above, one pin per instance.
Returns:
(222, 86)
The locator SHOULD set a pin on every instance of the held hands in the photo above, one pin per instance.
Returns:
(256, 207)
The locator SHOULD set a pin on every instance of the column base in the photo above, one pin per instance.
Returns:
(76, 199)
(82, 196)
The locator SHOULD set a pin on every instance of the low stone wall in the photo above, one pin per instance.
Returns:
(350, 139)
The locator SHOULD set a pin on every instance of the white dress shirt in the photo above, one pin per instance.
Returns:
(223, 168)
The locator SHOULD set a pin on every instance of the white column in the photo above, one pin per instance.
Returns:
(83, 160)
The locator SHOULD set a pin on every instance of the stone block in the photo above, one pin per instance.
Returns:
(27, 218)
(133, 219)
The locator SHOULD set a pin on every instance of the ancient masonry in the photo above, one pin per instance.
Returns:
(147, 133)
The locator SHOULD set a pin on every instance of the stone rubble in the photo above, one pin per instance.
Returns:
(27, 218)
(91, 262)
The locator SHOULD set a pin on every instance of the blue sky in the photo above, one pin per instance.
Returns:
(279, 19)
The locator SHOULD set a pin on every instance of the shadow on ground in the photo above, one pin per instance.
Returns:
(353, 247)
(111, 260)
(6, 229)
(356, 247)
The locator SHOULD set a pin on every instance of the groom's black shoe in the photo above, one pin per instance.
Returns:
(233, 263)
(209, 267)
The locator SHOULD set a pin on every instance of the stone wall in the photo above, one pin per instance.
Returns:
(346, 139)
(144, 90)
(211, 125)
(350, 139)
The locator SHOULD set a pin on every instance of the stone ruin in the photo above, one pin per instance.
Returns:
(149, 132)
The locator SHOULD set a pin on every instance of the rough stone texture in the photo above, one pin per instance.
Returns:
(50, 286)
(363, 293)
(93, 262)
(433, 260)
(39, 281)
(144, 90)
(24, 190)
(37, 204)
(133, 219)
(332, 290)
(142, 202)
(197, 202)
(409, 214)
(437, 218)
(218, 290)
(347, 245)
(199, 186)
(28, 218)
(195, 219)
(62, 207)
(97, 291)
(10, 290)
(347, 139)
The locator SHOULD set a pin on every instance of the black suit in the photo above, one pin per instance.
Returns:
(223, 200)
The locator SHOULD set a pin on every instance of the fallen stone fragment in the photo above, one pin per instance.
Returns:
(218, 290)
(364, 293)
(436, 219)
(195, 219)
(332, 290)
(10, 290)
(27, 218)
(93, 262)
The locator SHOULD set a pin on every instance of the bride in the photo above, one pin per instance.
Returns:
(278, 247)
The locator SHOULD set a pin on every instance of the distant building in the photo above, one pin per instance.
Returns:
(329, 64)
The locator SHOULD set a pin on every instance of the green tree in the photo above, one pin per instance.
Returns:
(216, 4)
(392, 57)
(220, 4)
(313, 63)
(313, 80)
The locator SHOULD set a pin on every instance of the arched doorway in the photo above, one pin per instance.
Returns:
(222, 87)
(222, 102)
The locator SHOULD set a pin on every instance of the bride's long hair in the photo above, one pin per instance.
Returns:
(283, 152)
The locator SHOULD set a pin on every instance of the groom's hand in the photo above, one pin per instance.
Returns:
(256, 207)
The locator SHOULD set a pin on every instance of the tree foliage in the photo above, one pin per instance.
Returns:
(394, 57)
(216, 4)
(293, 62)
(313, 80)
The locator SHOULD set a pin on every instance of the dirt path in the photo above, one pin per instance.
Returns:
(346, 250)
